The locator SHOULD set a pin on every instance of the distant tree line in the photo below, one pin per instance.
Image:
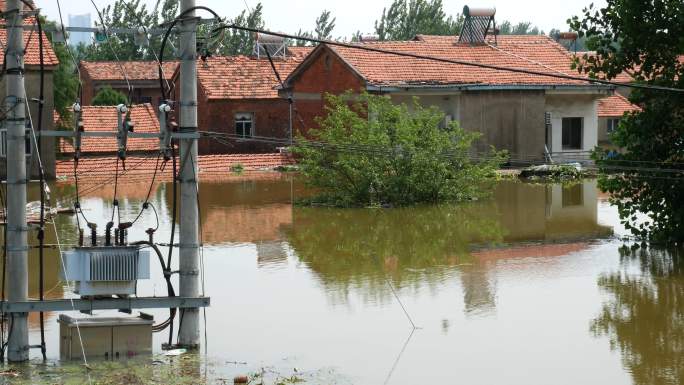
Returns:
(402, 20)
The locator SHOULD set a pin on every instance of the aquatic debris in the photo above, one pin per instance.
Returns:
(11, 372)
(175, 352)
(553, 172)
(240, 380)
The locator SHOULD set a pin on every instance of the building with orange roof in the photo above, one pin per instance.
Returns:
(32, 83)
(238, 97)
(520, 112)
(105, 118)
(143, 77)
(610, 111)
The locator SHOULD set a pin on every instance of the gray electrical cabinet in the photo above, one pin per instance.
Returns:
(104, 338)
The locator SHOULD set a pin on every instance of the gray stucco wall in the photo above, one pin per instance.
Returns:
(48, 151)
(508, 120)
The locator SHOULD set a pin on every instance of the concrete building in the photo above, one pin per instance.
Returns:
(143, 77)
(238, 99)
(32, 83)
(522, 113)
(78, 38)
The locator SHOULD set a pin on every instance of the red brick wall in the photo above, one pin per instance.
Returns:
(271, 119)
(88, 89)
(327, 73)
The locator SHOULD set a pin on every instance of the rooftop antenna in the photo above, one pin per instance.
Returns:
(275, 45)
(476, 25)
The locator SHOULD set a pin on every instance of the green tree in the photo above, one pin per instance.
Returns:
(398, 156)
(64, 77)
(130, 14)
(405, 19)
(236, 42)
(522, 28)
(325, 24)
(643, 39)
(109, 97)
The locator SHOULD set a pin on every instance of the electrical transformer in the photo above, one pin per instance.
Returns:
(107, 270)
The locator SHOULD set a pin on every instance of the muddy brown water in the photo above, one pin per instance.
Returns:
(528, 287)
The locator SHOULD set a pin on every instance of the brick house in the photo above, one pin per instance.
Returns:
(610, 111)
(238, 96)
(522, 113)
(105, 118)
(32, 84)
(142, 75)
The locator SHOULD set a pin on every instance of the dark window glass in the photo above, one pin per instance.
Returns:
(243, 125)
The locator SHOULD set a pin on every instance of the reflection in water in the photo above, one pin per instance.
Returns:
(452, 264)
(425, 245)
(644, 317)
(353, 248)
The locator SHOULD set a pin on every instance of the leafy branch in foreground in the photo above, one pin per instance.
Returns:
(369, 151)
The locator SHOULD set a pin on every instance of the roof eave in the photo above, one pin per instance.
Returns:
(549, 88)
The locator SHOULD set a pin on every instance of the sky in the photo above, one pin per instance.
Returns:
(352, 15)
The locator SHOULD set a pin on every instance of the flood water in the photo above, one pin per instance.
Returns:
(529, 287)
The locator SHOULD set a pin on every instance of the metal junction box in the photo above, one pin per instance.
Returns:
(104, 338)
(106, 270)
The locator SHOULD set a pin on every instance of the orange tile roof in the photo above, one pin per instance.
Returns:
(615, 105)
(536, 53)
(244, 77)
(135, 70)
(98, 170)
(104, 118)
(32, 55)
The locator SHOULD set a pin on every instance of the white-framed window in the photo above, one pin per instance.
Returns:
(612, 124)
(3, 143)
(244, 124)
(572, 133)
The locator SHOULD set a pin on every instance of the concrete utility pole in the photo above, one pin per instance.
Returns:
(17, 247)
(189, 334)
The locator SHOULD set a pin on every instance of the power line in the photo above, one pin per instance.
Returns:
(450, 61)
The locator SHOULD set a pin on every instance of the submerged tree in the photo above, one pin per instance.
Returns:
(644, 40)
(405, 19)
(373, 152)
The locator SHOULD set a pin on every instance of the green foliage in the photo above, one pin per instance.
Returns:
(130, 14)
(405, 19)
(643, 39)
(237, 168)
(65, 79)
(522, 28)
(325, 24)
(236, 42)
(109, 97)
(398, 156)
(552, 173)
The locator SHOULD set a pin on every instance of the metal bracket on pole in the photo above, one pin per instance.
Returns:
(164, 131)
(78, 130)
(123, 121)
